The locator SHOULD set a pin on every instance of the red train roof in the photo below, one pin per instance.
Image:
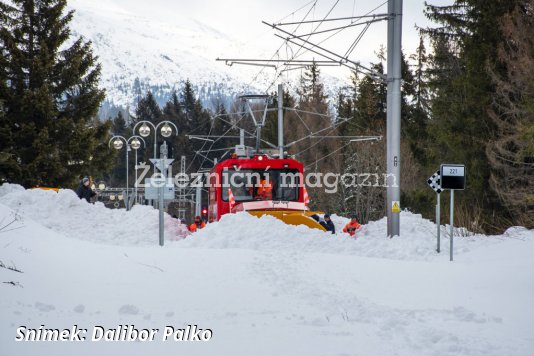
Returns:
(259, 162)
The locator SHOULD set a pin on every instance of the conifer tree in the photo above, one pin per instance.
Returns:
(50, 94)
(511, 153)
(188, 102)
(118, 126)
(148, 109)
(270, 131)
(465, 44)
(117, 176)
(311, 119)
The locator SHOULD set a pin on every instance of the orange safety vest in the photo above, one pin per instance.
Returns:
(351, 228)
(265, 189)
(193, 227)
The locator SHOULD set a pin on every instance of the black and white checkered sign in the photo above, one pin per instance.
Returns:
(435, 182)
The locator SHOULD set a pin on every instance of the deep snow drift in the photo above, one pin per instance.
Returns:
(66, 214)
(263, 287)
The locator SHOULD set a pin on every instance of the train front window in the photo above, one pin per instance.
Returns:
(257, 184)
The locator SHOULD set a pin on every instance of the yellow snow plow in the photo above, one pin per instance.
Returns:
(292, 217)
(47, 188)
(292, 213)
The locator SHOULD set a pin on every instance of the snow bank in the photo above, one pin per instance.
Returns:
(263, 287)
(65, 213)
(417, 240)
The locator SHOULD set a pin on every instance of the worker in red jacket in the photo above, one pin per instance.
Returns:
(352, 226)
(198, 224)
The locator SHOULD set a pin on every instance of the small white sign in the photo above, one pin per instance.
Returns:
(152, 186)
(456, 171)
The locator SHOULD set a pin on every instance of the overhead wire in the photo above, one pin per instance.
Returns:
(328, 155)
(295, 55)
(337, 32)
(279, 48)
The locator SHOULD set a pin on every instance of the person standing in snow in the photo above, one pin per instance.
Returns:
(329, 224)
(325, 222)
(319, 219)
(84, 191)
(352, 226)
(198, 224)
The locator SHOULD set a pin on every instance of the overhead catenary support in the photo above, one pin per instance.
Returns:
(394, 115)
(163, 155)
(181, 192)
(198, 199)
(259, 124)
(242, 137)
(281, 120)
(341, 58)
(309, 43)
(332, 19)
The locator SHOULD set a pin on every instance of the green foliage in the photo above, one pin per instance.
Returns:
(464, 45)
(49, 96)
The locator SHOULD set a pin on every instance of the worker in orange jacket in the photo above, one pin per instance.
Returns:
(198, 224)
(352, 226)
(265, 189)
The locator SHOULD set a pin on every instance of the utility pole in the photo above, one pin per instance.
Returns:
(281, 120)
(181, 192)
(163, 155)
(242, 137)
(394, 115)
(198, 200)
(126, 195)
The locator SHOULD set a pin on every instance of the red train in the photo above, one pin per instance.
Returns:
(260, 185)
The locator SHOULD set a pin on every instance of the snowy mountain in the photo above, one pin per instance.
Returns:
(139, 52)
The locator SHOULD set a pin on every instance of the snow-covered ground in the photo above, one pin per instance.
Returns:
(262, 287)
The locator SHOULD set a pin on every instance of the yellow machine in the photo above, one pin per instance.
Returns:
(292, 217)
(47, 188)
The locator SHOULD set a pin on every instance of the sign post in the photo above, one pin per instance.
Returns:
(438, 219)
(453, 178)
(162, 165)
(435, 183)
(452, 220)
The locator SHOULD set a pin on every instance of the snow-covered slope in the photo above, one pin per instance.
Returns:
(262, 287)
(139, 52)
